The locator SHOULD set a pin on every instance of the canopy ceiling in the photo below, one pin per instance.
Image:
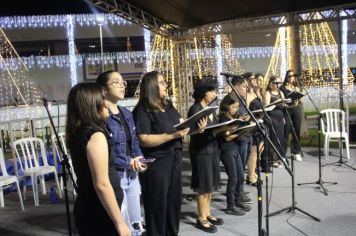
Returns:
(183, 13)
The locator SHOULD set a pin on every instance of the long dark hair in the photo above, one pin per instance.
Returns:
(103, 77)
(149, 93)
(286, 79)
(85, 101)
(225, 105)
(272, 79)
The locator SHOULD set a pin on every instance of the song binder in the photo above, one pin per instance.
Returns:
(192, 121)
(295, 95)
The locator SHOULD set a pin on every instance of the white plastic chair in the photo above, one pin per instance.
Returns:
(27, 152)
(335, 121)
(7, 179)
(55, 151)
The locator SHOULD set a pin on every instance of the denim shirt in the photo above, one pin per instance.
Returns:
(117, 140)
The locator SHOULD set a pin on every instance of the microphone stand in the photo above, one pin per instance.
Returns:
(261, 128)
(261, 231)
(340, 162)
(293, 207)
(320, 181)
(65, 164)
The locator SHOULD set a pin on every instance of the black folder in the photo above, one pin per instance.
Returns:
(192, 121)
(295, 95)
(227, 124)
(244, 130)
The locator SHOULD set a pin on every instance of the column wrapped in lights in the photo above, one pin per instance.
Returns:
(147, 39)
(71, 50)
(218, 61)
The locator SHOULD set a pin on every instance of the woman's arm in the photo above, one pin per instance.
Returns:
(98, 159)
(154, 140)
(267, 98)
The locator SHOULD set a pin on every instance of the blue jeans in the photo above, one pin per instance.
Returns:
(131, 208)
(244, 150)
(235, 172)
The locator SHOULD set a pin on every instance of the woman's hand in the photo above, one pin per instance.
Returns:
(203, 122)
(181, 133)
(123, 229)
(138, 166)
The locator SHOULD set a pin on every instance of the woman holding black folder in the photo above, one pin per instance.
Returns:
(155, 117)
(204, 156)
(231, 158)
(290, 85)
(277, 116)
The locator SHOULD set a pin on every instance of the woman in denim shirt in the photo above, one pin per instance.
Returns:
(124, 147)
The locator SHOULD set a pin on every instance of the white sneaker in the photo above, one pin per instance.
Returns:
(297, 157)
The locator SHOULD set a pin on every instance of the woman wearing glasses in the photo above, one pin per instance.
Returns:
(124, 147)
(155, 117)
(294, 110)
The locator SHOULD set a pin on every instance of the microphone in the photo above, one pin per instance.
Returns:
(228, 74)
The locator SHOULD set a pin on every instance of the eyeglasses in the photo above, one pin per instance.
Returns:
(290, 76)
(117, 83)
(163, 83)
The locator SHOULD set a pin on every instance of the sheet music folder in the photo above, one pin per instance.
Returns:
(237, 122)
(244, 130)
(192, 121)
(295, 95)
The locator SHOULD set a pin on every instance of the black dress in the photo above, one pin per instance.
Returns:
(278, 123)
(204, 157)
(162, 182)
(89, 214)
(295, 114)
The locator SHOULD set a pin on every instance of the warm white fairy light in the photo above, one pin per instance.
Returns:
(283, 51)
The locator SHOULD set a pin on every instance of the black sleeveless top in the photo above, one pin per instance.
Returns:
(82, 170)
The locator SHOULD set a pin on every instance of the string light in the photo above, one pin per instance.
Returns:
(70, 37)
(54, 21)
(219, 61)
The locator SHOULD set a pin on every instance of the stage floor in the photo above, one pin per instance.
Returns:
(337, 211)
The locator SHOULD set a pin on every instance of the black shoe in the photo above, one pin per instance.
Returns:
(210, 229)
(244, 199)
(232, 210)
(214, 220)
(243, 206)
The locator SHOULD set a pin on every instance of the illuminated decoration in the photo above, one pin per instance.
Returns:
(147, 39)
(72, 59)
(218, 56)
(160, 58)
(230, 54)
(319, 59)
(16, 89)
(53, 21)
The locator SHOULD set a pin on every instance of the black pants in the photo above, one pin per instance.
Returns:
(235, 172)
(162, 195)
(296, 117)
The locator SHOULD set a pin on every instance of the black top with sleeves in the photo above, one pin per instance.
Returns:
(226, 145)
(90, 215)
(151, 122)
(202, 143)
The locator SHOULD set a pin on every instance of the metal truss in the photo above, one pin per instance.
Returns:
(272, 21)
(135, 15)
